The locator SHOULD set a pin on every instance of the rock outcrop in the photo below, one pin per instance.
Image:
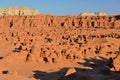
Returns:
(46, 38)
(18, 11)
(70, 71)
(93, 14)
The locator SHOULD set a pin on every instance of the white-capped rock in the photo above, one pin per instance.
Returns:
(20, 10)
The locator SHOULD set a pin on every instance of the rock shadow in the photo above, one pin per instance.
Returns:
(103, 68)
(96, 64)
(1, 57)
(49, 76)
(98, 70)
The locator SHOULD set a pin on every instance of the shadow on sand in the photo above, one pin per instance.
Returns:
(49, 76)
(99, 69)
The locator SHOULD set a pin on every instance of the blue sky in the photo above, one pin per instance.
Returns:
(66, 7)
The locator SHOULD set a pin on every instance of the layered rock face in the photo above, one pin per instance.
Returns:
(93, 14)
(18, 11)
(46, 38)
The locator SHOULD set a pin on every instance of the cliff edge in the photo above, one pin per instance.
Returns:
(21, 10)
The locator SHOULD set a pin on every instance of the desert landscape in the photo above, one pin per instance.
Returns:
(35, 46)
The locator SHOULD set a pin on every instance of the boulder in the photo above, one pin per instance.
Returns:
(70, 71)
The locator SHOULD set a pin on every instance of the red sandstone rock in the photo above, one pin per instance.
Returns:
(56, 39)
(70, 71)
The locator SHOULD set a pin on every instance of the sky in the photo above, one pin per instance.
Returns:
(67, 7)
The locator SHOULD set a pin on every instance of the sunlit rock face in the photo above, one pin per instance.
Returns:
(21, 10)
(93, 14)
(56, 39)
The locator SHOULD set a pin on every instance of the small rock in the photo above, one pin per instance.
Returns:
(70, 71)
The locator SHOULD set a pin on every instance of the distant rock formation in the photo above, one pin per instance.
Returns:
(92, 14)
(18, 11)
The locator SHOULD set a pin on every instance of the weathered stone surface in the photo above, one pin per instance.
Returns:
(117, 63)
(93, 14)
(18, 11)
(70, 71)
(47, 38)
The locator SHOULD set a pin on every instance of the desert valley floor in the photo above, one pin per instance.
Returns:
(47, 47)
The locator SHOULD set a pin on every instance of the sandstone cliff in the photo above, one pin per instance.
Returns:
(18, 11)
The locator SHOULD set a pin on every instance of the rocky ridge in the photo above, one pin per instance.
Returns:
(93, 14)
(21, 10)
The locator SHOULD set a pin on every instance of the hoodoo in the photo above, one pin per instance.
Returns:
(43, 44)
